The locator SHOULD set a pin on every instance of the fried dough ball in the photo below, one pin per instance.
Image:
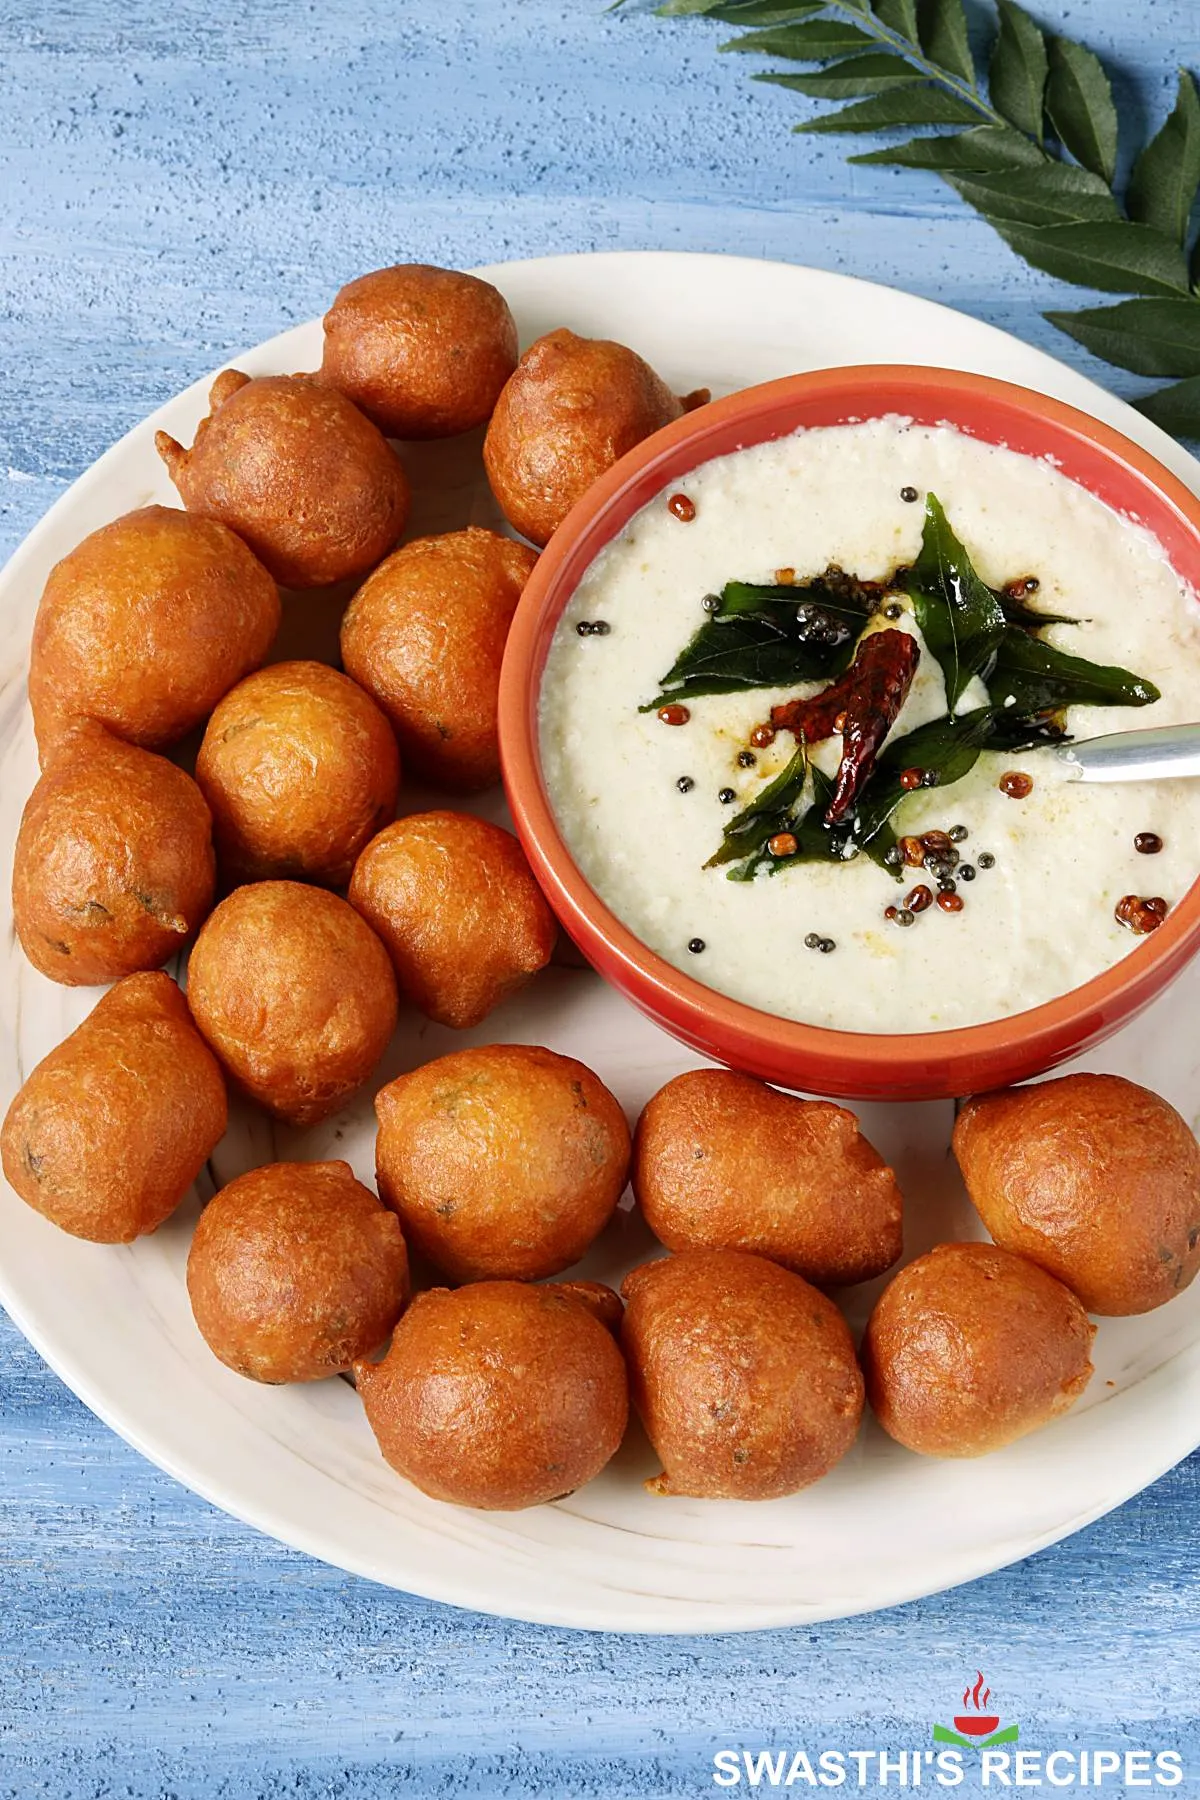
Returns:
(425, 636)
(296, 995)
(112, 1128)
(1094, 1178)
(970, 1348)
(113, 869)
(723, 1162)
(454, 900)
(296, 1271)
(423, 351)
(502, 1161)
(146, 624)
(498, 1395)
(743, 1375)
(572, 409)
(300, 769)
(294, 468)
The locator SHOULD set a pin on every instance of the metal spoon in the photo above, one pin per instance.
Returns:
(1159, 755)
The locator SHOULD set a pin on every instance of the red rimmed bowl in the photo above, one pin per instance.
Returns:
(857, 1065)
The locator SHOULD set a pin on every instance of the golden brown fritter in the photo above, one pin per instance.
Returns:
(296, 995)
(506, 1160)
(423, 351)
(723, 1162)
(498, 1395)
(455, 901)
(144, 626)
(297, 471)
(111, 1129)
(425, 635)
(970, 1348)
(571, 410)
(1094, 1178)
(296, 1271)
(743, 1375)
(114, 868)
(300, 769)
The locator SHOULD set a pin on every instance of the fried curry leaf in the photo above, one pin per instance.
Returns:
(767, 637)
(771, 811)
(842, 598)
(947, 748)
(950, 747)
(816, 841)
(1032, 732)
(961, 619)
(1028, 617)
(1031, 677)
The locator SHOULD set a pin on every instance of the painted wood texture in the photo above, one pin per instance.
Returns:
(180, 182)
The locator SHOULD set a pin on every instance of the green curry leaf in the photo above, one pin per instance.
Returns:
(816, 841)
(1055, 196)
(961, 619)
(948, 748)
(770, 811)
(766, 637)
(1032, 677)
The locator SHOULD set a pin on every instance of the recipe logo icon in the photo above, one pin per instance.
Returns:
(975, 1728)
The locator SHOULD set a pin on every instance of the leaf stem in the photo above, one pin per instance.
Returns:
(914, 55)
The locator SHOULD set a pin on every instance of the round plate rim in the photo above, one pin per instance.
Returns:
(627, 1610)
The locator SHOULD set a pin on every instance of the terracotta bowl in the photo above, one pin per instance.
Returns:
(902, 1066)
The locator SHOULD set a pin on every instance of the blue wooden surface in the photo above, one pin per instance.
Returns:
(180, 182)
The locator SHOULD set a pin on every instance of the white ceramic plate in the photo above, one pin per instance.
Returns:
(300, 1463)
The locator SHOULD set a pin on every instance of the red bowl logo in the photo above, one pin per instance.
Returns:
(976, 1724)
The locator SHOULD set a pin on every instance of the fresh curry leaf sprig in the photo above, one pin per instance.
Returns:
(1032, 145)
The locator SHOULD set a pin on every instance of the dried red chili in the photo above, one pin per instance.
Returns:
(870, 695)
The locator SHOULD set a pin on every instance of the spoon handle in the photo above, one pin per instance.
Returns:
(1162, 754)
